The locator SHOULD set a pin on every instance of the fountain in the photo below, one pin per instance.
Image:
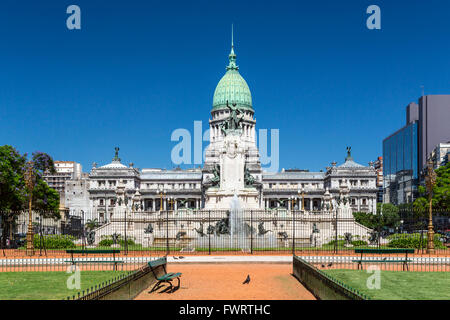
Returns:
(238, 234)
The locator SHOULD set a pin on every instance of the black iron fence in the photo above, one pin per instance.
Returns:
(208, 232)
(122, 287)
(216, 231)
(322, 285)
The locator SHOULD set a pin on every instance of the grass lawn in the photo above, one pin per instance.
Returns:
(47, 285)
(398, 285)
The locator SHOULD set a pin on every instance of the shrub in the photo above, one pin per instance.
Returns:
(108, 242)
(54, 241)
(340, 243)
(413, 240)
(105, 243)
(358, 243)
(129, 241)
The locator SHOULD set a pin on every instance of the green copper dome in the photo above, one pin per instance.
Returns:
(232, 88)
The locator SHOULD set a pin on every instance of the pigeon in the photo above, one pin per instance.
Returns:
(175, 258)
(330, 264)
(384, 258)
(323, 266)
(180, 257)
(247, 280)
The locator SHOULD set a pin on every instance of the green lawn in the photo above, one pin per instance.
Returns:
(398, 285)
(47, 285)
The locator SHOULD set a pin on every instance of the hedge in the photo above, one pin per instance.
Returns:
(54, 241)
(413, 240)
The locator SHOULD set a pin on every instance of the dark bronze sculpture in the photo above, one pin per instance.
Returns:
(223, 226)
(215, 180)
(200, 230)
(348, 238)
(234, 119)
(261, 230)
(284, 235)
(149, 228)
(315, 229)
(210, 229)
(115, 237)
(91, 238)
(179, 235)
(248, 178)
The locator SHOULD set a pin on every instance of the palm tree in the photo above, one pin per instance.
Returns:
(91, 224)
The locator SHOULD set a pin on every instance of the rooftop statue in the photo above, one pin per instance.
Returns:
(116, 154)
(349, 154)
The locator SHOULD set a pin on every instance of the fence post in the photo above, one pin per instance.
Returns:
(126, 240)
(293, 234)
(336, 233)
(251, 232)
(209, 234)
(167, 232)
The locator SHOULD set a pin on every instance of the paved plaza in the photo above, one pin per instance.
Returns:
(218, 281)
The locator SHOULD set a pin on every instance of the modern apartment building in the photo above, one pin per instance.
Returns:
(406, 151)
(65, 170)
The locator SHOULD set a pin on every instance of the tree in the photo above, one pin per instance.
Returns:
(91, 224)
(386, 217)
(441, 192)
(13, 192)
(388, 214)
(12, 185)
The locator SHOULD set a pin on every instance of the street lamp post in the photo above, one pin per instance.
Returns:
(171, 203)
(430, 181)
(162, 193)
(29, 181)
(125, 221)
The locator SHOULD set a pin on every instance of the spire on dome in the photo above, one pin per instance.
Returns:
(232, 57)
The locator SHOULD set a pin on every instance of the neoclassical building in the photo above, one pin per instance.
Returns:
(232, 167)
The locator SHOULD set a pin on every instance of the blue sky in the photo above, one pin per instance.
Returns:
(137, 70)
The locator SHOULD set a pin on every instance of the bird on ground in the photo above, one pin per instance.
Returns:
(247, 280)
(175, 258)
(323, 266)
(330, 264)
(180, 257)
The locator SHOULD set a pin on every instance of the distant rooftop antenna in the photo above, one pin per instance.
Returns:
(423, 90)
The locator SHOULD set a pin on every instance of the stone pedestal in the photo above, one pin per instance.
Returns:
(221, 199)
(232, 166)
